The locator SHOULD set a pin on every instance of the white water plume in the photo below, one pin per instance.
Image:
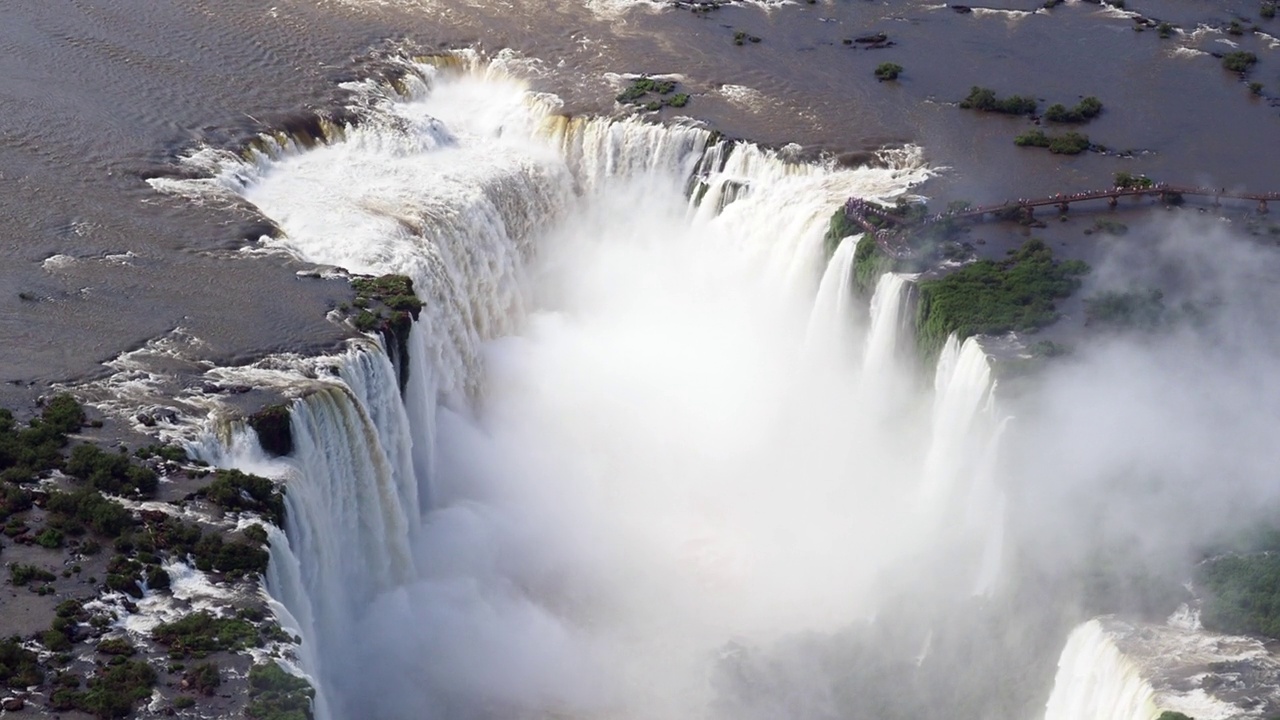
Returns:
(630, 456)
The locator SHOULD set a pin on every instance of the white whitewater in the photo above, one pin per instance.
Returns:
(1096, 681)
(887, 348)
(615, 452)
(834, 323)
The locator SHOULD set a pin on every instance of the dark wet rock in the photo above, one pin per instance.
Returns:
(13, 704)
(872, 38)
(146, 419)
(271, 423)
(962, 9)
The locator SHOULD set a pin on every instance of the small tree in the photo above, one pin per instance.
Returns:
(888, 71)
(1239, 62)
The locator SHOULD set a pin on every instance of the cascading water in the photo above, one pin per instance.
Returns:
(624, 452)
(1095, 680)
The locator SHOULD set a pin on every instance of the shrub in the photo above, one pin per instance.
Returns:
(988, 297)
(111, 472)
(20, 574)
(986, 100)
(1171, 715)
(201, 633)
(19, 667)
(276, 695)
(172, 453)
(63, 414)
(888, 71)
(116, 646)
(1165, 29)
(1239, 62)
(238, 491)
(1129, 180)
(1255, 88)
(50, 538)
(1086, 110)
(203, 678)
(1070, 144)
(1032, 138)
(1268, 10)
(88, 506)
(115, 690)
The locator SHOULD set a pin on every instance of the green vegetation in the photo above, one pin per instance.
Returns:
(203, 678)
(740, 38)
(985, 99)
(1086, 110)
(233, 490)
(116, 646)
(1242, 594)
(1255, 88)
(19, 668)
(1072, 143)
(869, 263)
(111, 472)
(652, 95)
(272, 424)
(172, 453)
(72, 511)
(20, 574)
(50, 538)
(394, 291)
(25, 453)
(840, 228)
(1239, 62)
(112, 692)
(1051, 4)
(988, 297)
(1131, 181)
(276, 695)
(201, 633)
(888, 71)
(1165, 29)
(1171, 715)
(1268, 10)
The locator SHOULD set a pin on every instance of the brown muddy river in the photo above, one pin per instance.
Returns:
(97, 96)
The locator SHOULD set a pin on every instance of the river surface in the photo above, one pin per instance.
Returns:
(99, 95)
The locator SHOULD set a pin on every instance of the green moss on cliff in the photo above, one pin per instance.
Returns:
(988, 297)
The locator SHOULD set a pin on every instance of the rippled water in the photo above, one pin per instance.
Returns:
(97, 97)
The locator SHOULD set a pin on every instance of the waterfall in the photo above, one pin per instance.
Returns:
(1096, 681)
(963, 389)
(833, 324)
(614, 454)
(889, 310)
